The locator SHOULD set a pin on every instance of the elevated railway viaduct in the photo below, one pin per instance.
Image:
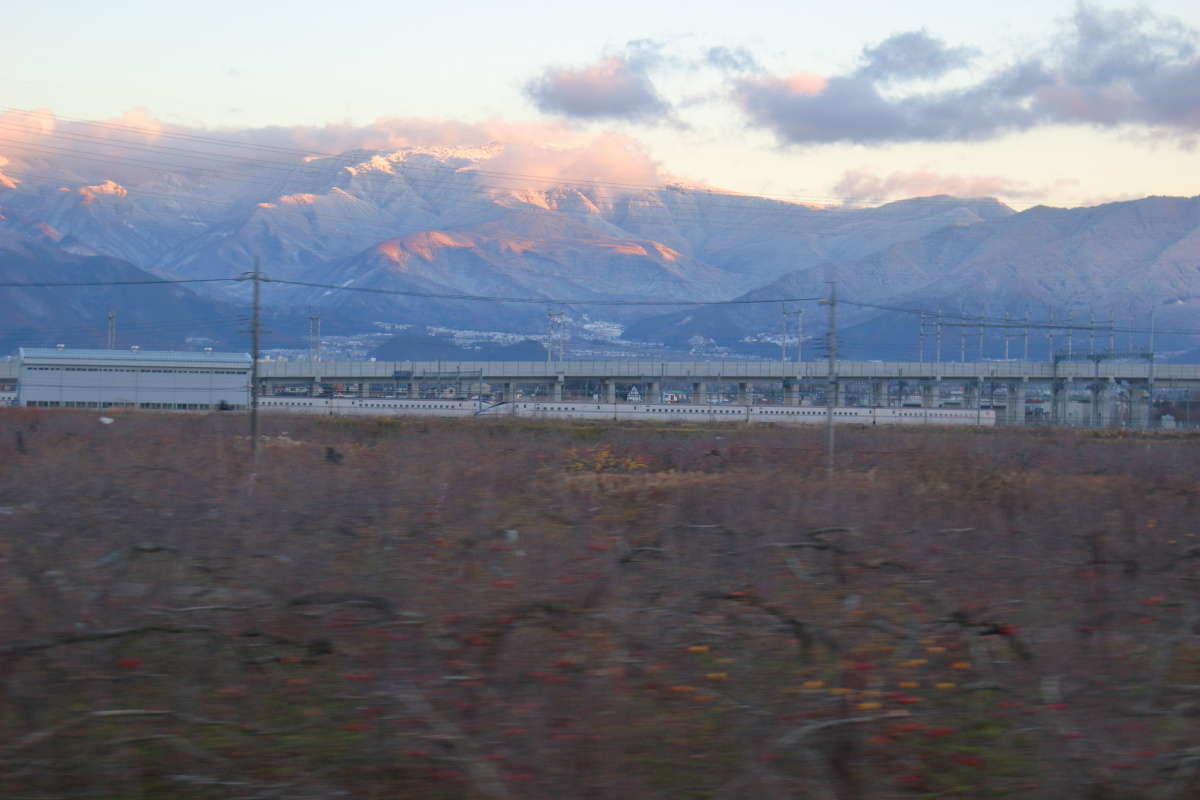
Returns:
(1099, 392)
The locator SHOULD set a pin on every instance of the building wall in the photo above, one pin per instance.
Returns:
(80, 380)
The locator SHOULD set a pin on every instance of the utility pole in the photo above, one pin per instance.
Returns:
(832, 388)
(314, 334)
(1050, 336)
(783, 343)
(556, 322)
(112, 330)
(962, 332)
(921, 337)
(1006, 335)
(1153, 309)
(798, 313)
(1070, 338)
(255, 311)
(981, 320)
(1025, 354)
(799, 335)
(938, 338)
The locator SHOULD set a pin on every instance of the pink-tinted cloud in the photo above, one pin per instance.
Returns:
(136, 147)
(560, 156)
(862, 187)
(532, 153)
(24, 125)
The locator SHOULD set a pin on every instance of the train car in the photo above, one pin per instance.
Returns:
(676, 412)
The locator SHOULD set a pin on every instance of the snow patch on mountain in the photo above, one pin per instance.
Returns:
(90, 193)
(6, 181)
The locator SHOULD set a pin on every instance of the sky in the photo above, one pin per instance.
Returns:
(1062, 103)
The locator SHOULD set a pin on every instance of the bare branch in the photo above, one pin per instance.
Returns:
(344, 598)
(793, 737)
(38, 737)
(25, 648)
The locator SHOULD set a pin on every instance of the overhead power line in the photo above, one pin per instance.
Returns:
(535, 300)
(65, 284)
(952, 319)
(949, 318)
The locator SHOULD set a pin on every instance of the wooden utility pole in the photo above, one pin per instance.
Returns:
(831, 390)
(255, 311)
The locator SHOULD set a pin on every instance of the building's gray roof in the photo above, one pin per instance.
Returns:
(54, 355)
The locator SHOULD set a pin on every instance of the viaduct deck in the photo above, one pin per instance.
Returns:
(492, 371)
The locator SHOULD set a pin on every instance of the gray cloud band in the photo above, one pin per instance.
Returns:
(1105, 68)
(1109, 68)
(615, 87)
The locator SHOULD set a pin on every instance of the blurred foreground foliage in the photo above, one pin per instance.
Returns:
(503, 609)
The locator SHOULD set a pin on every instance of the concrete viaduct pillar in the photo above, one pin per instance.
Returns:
(654, 392)
(1060, 399)
(878, 394)
(558, 388)
(791, 393)
(1112, 416)
(610, 390)
(931, 392)
(743, 393)
(971, 394)
(1014, 406)
(1139, 406)
(699, 392)
(836, 397)
(1103, 403)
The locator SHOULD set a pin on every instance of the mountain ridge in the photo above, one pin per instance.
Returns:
(403, 224)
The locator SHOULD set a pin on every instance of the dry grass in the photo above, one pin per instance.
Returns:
(448, 609)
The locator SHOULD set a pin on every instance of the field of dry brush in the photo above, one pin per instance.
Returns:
(502, 609)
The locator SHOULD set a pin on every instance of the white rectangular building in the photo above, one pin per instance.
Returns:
(184, 381)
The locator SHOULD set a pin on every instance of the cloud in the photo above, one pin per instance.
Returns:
(135, 148)
(731, 59)
(558, 156)
(617, 87)
(25, 126)
(1106, 68)
(914, 54)
(860, 186)
(1125, 66)
(549, 152)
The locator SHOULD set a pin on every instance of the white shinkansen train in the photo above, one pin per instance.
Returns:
(678, 412)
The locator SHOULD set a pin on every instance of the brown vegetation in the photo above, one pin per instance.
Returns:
(449, 609)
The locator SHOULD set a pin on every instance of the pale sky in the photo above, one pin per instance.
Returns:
(1050, 101)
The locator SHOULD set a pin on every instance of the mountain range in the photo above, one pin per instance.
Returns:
(413, 236)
